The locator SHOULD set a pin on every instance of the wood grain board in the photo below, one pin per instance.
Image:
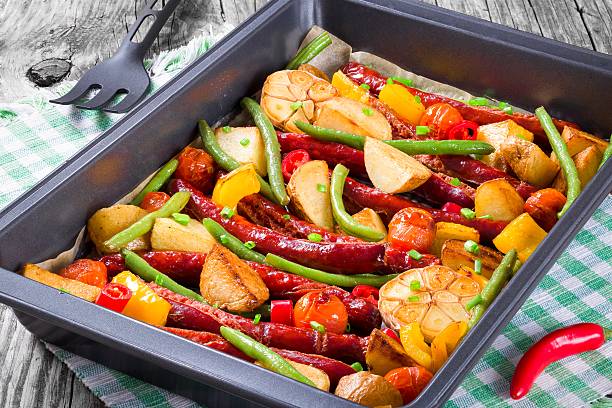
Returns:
(63, 38)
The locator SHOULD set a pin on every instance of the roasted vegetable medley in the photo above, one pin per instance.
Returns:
(349, 238)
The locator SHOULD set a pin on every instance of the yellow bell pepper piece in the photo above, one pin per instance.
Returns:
(445, 342)
(348, 88)
(402, 102)
(144, 305)
(523, 234)
(450, 230)
(235, 185)
(414, 344)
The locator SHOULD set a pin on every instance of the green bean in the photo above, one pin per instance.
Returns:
(263, 354)
(311, 50)
(176, 203)
(344, 219)
(224, 160)
(271, 149)
(565, 160)
(141, 268)
(607, 153)
(157, 182)
(347, 281)
(500, 276)
(231, 242)
(411, 147)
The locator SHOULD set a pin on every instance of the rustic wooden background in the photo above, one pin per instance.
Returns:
(42, 42)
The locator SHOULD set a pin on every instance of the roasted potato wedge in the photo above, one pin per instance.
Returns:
(455, 256)
(587, 162)
(450, 230)
(496, 134)
(74, 287)
(390, 170)
(319, 378)
(352, 116)
(309, 193)
(169, 235)
(577, 140)
(384, 354)
(529, 162)
(368, 389)
(108, 221)
(370, 218)
(245, 145)
(498, 199)
(230, 283)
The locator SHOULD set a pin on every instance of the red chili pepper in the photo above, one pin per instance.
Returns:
(293, 160)
(554, 346)
(365, 291)
(391, 334)
(281, 311)
(114, 296)
(452, 208)
(464, 130)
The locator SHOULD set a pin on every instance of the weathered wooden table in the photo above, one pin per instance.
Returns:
(45, 41)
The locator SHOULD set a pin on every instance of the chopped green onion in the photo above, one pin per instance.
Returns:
(224, 239)
(62, 290)
(317, 326)
(417, 99)
(486, 217)
(321, 188)
(296, 105)
(367, 111)
(182, 219)
(315, 237)
(414, 254)
(365, 86)
(249, 245)
(468, 213)
(404, 81)
(226, 129)
(257, 318)
(476, 300)
(415, 285)
(286, 217)
(227, 212)
(245, 142)
(505, 107)
(390, 81)
(479, 101)
(478, 266)
(422, 130)
(216, 305)
(413, 298)
(357, 366)
(471, 247)
(455, 182)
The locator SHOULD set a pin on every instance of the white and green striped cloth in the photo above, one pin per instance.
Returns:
(36, 137)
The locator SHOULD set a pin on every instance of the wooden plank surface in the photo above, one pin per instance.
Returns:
(75, 34)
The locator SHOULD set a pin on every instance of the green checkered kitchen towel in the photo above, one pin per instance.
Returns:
(36, 137)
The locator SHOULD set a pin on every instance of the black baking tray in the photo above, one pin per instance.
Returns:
(573, 83)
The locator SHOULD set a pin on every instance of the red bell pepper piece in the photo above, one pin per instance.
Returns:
(465, 130)
(554, 346)
(293, 160)
(281, 311)
(114, 296)
(365, 291)
(391, 334)
(452, 207)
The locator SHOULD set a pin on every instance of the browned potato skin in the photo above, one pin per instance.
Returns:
(230, 283)
(368, 389)
(74, 287)
(587, 163)
(496, 134)
(529, 162)
(498, 199)
(106, 222)
(449, 230)
(577, 140)
(454, 256)
(384, 354)
(169, 235)
(350, 116)
(370, 218)
(307, 201)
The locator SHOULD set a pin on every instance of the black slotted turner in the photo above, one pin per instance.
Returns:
(124, 72)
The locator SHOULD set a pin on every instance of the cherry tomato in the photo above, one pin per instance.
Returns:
(412, 228)
(293, 160)
(322, 308)
(197, 168)
(154, 200)
(87, 271)
(543, 206)
(440, 117)
(409, 381)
